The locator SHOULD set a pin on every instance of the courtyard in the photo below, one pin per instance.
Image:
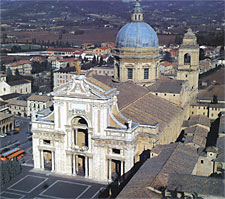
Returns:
(34, 184)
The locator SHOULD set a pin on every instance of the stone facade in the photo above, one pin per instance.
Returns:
(81, 135)
(23, 88)
(23, 66)
(37, 103)
(18, 107)
(142, 63)
(20, 86)
(4, 88)
(210, 110)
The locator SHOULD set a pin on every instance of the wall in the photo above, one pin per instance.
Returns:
(21, 88)
(4, 88)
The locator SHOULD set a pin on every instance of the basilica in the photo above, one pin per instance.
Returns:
(101, 126)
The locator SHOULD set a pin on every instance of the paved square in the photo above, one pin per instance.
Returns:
(6, 194)
(65, 189)
(27, 184)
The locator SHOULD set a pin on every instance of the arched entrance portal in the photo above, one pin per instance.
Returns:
(47, 160)
(80, 162)
(80, 131)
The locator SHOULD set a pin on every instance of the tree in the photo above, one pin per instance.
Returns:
(60, 36)
(201, 54)
(222, 51)
(94, 60)
(110, 60)
(101, 61)
(215, 100)
(9, 170)
(9, 72)
(17, 72)
(15, 49)
(3, 68)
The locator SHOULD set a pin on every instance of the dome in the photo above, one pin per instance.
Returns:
(136, 35)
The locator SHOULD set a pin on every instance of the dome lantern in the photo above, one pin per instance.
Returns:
(137, 12)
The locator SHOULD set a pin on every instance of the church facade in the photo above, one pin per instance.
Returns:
(101, 126)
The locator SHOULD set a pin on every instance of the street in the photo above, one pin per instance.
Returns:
(22, 140)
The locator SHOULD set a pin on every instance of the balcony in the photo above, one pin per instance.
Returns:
(80, 149)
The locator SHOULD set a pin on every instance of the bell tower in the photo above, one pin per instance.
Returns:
(188, 62)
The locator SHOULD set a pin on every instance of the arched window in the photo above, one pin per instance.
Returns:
(187, 59)
(80, 129)
(139, 17)
(118, 71)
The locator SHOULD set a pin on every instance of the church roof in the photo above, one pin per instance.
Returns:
(150, 109)
(173, 158)
(136, 35)
(167, 86)
(196, 184)
(139, 105)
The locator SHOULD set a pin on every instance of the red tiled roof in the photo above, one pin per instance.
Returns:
(21, 62)
(165, 63)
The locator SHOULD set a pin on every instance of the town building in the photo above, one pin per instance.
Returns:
(18, 107)
(63, 63)
(108, 44)
(3, 106)
(23, 66)
(6, 123)
(175, 91)
(69, 52)
(36, 103)
(103, 70)
(6, 98)
(2, 77)
(102, 51)
(87, 45)
(210, 100)
(19, 86)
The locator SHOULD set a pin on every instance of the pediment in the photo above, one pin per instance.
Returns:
(78, 87)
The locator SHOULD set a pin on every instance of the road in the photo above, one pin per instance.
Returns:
(22, 140)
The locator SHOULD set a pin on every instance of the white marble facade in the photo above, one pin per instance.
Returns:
(82, 136)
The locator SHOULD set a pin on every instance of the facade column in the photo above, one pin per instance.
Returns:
(74, 164)
(53, 161)
(42, 159)
(121, 168)
(110, 169)
(72, 137)
(86, 166)
(90, 167)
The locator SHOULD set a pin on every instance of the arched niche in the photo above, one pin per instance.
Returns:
(80, 130)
